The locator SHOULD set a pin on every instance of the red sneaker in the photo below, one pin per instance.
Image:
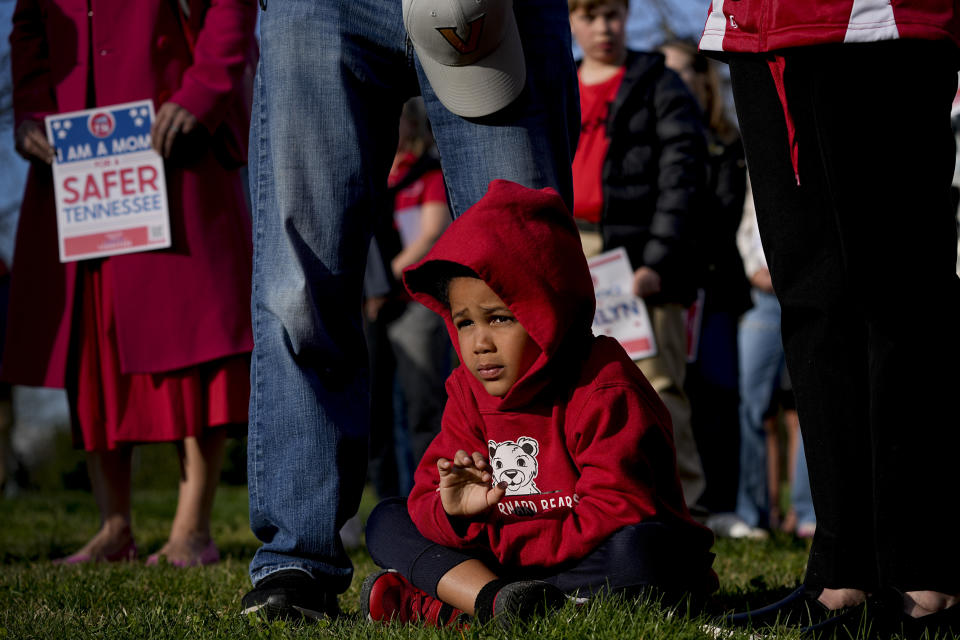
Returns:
(387, 595)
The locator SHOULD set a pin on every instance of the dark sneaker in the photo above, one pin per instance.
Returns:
(799, 609)
(387, 595)
(290, 594)
(521, 600)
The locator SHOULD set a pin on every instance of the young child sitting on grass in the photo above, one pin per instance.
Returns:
(554, 472)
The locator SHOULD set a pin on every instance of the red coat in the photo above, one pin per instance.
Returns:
(583, 440)
(766, 25)
(175, 307)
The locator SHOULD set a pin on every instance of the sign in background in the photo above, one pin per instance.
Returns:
(109, 183)
(620, 314)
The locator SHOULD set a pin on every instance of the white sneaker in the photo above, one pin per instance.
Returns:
(730, 525)
(352, 533)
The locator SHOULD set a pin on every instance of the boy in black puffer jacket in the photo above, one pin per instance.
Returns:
(639, 179)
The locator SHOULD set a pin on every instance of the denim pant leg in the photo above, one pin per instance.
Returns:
(330, 84)
(531, 141)
(761, 358)
(331, 81)
(800, 495)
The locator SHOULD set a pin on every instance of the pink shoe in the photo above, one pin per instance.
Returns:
(209, 555)
(127, 554)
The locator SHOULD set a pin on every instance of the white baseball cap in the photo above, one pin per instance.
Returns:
(470, 51)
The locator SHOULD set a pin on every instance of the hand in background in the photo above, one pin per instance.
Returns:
(171, 120)
(761, 280)
(32, 143)
(465, 488)
(646, 282)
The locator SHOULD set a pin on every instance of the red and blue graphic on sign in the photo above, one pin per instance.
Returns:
(105, 132)
(101, 124)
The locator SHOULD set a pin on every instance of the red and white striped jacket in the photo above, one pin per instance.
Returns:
(767, 25)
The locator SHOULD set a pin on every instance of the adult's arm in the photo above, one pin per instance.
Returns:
(222, 49)
(33, 87)
(434, 219)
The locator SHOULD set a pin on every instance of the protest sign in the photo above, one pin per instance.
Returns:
(109, 183)
(620, 314)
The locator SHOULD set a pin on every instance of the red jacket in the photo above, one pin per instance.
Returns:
(174, 307)
(766, 25)
(590, 439)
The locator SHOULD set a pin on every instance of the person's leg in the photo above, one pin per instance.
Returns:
(421, 345)
(806, 517)
(794, 440)
(715, 412)
(666, 372)
(383, 473)
(330, 84)
(761, 357)
(531, 141)
(823, 341)
(649, 556)
(200, 461)
(771, 428)
(110, 479)
(395, 543)
(890, 190)
(433, 583)
(792, 425)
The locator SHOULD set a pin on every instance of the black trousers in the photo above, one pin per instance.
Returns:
(646, 555)
(712, 384)
(863, 256)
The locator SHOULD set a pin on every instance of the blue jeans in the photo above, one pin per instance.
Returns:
(761, 359)
(331, 81)
(800, 496)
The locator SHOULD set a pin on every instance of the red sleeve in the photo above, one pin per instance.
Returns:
(433, 188)
(33, 94)
(424, 504)
(220, 56)
(617, 442)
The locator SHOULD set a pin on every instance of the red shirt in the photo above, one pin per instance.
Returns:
(408, 202)
(595, 102)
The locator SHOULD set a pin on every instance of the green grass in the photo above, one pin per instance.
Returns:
(43, 601)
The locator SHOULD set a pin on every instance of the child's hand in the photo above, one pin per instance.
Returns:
(646, 282)
(465, 488)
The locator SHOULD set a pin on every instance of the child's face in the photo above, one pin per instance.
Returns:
(601, 31)
(494, 346)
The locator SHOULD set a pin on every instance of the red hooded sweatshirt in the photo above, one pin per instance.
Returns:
(582, 437)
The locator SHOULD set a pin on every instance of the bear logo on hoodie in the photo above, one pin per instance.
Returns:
(516, 464)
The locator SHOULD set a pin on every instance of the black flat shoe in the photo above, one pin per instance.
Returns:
(864, 621)
(799, 609)
(941, 624)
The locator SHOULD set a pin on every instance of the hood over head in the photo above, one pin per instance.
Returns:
(524, 245)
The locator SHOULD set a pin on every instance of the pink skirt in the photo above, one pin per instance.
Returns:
(110, 408)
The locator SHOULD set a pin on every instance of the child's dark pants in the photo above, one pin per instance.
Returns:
(646, 556)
